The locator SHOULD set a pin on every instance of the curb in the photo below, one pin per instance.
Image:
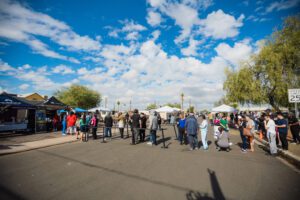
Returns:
(287, 155)
(33, 148)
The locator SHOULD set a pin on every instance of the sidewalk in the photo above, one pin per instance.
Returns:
(292, 155)
(29, 142)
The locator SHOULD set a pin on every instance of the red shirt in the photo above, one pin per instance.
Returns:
(71, 119)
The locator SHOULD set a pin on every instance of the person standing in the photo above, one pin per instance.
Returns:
(241, 125)
(108, 123)
(191, 126)
(83, 126)
(224, 123)
(64, 124)
(181, 128)
(282, 126)
(159, 121)
(71, 123)
(94, 125)
(251, 127)
(121, 124)
(55, 123)
(153, 126)
(143, 126)
(136, 125)
(271, 134)
(203, 127)
(295, 128)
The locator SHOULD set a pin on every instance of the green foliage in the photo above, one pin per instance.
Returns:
(174, 105)
(271, 72)
(151, 106)
(79, 96)
(191, 109)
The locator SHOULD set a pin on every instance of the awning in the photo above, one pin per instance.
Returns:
(8, 100)
(224, 108)
(79, 110)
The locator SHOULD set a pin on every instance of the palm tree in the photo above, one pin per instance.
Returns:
(118, 103)
(182, 95)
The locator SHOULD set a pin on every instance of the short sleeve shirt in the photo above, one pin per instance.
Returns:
(271, 126)
(280, 122)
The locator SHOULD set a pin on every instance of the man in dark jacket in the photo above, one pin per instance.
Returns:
(108, 123)
(136, 125)
(143, 125)
(191, 127)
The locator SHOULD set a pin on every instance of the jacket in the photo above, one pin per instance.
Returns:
(108, 121)
(191, 125)
(153, 123)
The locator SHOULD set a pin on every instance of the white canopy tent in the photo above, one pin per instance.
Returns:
(165, 110)
(261, 107)
(99, 109)
(224, 108)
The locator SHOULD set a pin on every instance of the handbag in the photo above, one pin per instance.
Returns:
(246, 132)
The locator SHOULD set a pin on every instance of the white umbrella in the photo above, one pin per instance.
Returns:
(224, 108)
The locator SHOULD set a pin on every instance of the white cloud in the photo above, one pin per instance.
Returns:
(282, 5)
(156, 3)
(220, 25)
(130, 28)
(155, 34)
(240, 51)
(185, 17)
(192, 49)
(62, 69)
(5, 67)
(24, 86)
(21, 24)
(154, 18)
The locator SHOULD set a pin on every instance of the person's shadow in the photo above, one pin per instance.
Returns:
(217, 191)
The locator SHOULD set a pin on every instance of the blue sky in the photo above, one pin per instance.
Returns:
(140, 50)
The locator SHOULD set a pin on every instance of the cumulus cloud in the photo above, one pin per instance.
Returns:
(240, 51)
(154, 18)
(220, 25)
(22, 24)
(130, 28)
(192, 49)
(62, 69)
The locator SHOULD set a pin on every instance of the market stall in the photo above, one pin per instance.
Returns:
(16, 114)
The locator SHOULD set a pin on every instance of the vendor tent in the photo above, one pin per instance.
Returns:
(79, 110)
(224, 108)
(166, 109)
(262, 107)
(99, 109)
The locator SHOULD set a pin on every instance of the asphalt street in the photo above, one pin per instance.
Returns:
(117, 170)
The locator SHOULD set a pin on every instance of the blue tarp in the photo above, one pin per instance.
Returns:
(61, 111)
(78, 110)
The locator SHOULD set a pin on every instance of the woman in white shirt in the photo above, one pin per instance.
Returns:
(203, 128)
(271, 134)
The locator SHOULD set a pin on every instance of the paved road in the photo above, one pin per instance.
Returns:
(117, 170)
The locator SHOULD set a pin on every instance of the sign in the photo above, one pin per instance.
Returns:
(294, 95)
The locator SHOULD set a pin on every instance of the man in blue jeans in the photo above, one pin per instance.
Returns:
(108, 123)
(191, 127)
(282, 126)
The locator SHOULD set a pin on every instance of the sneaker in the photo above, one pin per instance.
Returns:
(244, 151)
(191, 149)
(293, 143)
(230, 143)
(149, 143)
(196, 148)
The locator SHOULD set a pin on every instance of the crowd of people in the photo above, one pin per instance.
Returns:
(271, 126)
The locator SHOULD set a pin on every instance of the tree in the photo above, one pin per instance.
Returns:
(151, 106)
(118, 103)
(269, 74)
(79, 96)
(174, 105)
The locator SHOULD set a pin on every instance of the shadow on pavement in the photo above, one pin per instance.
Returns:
(6, 193)
(9, 146)
(190, 195)
(217, 191)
